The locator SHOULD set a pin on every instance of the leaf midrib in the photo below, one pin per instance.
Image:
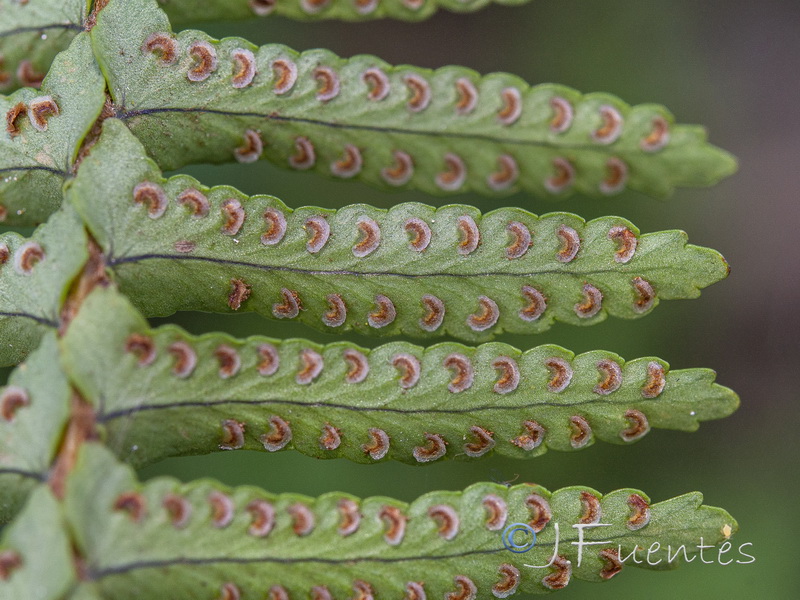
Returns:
(116, 261)
(125, 115)
(121, 413)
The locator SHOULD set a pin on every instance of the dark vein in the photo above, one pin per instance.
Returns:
(240, 263)
(64, 174)
(22, 473)
(155, 564)
(126, 412)
(18, 30)
(40, 320)
(273, 116)
(96, 574)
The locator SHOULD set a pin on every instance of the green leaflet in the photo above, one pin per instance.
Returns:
(32, 33)
(190, 11)
(502, 284)
(163, 392)
(34, 408)
(34, 164)
(35, 274)
(141, 540)
(86, 591)
(444, 131)
(36, 550)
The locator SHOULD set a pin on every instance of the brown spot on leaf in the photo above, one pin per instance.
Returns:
(434, 315)
(540, 511)
(141, 346)
(420, 92)
(435, 448)
(509, 581)
(467, 95)
(640, 512)
(496, 512)
(532, 436)
(656, 380)
(350, 517)
(132, 503)
(331, 437)
(613, 564)
(592, 511)
(639, 426)
(205, 61)
(11, 400)
(395, 524)
(19, 110)
(303, 520)
(581, 432)
(562, 572)
(447, 519)
(10, 561)
(379, 444)
(512, 106)
(163, 46)
(463, 374)
(262, 514)
(487, 315)
(611, 374)
(232, 435)
(465, 589)
(240, 292)
(328, 83)
(483, 442)
(279, 435)
(179, 509)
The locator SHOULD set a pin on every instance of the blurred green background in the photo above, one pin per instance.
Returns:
(731, 65)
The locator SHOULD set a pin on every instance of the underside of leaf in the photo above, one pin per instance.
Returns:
(138, 540)
(162, 392)
(190, 11)
(413, 269)
(35, 273)
(194, 99)
(34, 408)
(43, 133)
(31, 34)
(36, 558)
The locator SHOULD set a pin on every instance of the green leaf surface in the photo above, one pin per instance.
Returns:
(314, 111)
(142, 548)
(482, 292)
(36, 551)
(190, 11)
(163, 392)
(34, 164)
(86, 591)
(35, 274)
(32, 33)
(34, 408)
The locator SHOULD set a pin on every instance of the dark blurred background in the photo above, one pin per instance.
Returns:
(731, 65)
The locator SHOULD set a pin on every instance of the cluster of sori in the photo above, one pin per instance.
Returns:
(98, 391)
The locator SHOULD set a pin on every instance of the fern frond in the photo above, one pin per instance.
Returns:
(191, 99)
(34, 408)
(36, 554)
(413, 269)
(190, 11)
(162, 392)
(31, 34)
(43, 133)
(139, 540)
(35, 274)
